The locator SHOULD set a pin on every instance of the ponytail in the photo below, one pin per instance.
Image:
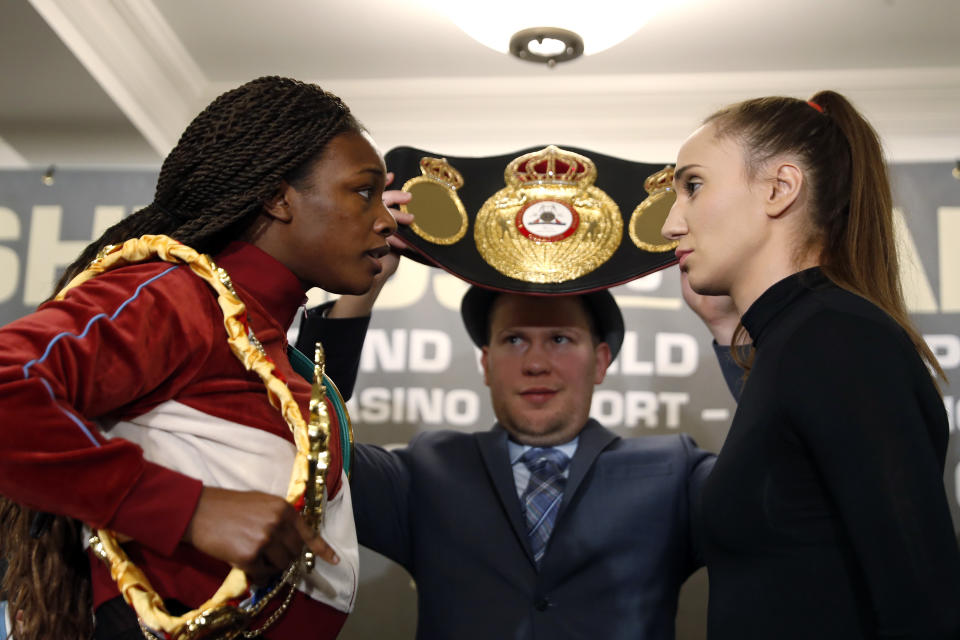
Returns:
(851, 206)
(860, 250)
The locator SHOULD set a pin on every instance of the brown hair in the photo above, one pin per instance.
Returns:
(228, 162)
(849, 192)
(47, 576)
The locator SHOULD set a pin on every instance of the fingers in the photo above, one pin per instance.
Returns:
(394, 197)
(285, 548)
(272, 546)
(258, 533)
(261, 573)
(402, 217)
(396, 243)
(316, 544)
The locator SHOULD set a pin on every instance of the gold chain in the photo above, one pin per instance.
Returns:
(312, 457)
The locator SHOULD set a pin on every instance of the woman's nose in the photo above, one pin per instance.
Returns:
(674, 226)
(385, 224)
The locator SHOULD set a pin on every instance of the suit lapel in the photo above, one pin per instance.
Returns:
(493, 450)
(593, 439)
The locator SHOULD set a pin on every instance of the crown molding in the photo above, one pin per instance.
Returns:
(644, 117)
(9, 158)
(137, 59)
(135, 56)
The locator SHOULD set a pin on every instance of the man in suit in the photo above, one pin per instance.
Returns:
(450, 507)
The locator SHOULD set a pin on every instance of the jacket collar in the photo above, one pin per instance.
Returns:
(264, 277)
(594, 438)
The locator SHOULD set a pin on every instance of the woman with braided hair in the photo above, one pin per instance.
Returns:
(825, 515)
(129, 403)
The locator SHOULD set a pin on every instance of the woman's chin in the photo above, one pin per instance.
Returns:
(705, 287)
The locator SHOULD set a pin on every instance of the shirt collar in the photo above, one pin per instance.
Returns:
(778, 297)
(516, 450)
(274, 286)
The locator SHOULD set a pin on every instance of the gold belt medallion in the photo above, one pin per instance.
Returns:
(440, 217)
(550, 224)
(649, 216)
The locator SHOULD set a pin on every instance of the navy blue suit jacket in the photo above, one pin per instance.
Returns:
(446, 508)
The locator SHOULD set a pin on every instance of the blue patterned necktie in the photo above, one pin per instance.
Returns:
(541, 499)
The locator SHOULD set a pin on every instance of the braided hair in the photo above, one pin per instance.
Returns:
(229, 161)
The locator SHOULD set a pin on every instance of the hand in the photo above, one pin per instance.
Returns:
(256, 532)
(717, 312)
(358, 306)
(391, 199)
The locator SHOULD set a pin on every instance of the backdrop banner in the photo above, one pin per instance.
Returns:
(419, 370)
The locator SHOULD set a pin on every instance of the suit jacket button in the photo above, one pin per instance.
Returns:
(542, 604)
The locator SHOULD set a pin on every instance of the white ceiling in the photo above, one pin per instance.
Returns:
(113, 82)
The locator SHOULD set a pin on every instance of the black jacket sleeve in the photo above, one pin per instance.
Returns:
(342, 340)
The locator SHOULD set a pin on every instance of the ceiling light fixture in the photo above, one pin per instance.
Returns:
(47, 177)
(551, 32)
(548, 45)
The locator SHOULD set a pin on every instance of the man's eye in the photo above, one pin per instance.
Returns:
(561, 339)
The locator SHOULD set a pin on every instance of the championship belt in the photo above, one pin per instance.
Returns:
(230, 612)
(546, 221)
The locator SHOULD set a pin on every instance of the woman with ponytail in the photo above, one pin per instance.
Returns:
(153, 399)
(825, 515)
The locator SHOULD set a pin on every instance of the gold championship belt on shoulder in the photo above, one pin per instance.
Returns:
(549, 220)
(230, 611)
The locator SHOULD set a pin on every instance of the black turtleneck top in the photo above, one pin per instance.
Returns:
(825, 515)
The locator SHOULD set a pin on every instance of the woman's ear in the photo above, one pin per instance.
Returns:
(278, 205)
(784, 189)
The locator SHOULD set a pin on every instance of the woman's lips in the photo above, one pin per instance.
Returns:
(375, 254)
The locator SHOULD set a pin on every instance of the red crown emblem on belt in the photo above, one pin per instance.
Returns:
(440, 170)
(551, 165)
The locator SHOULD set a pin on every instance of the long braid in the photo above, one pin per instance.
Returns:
(230, 160)
(227, 163)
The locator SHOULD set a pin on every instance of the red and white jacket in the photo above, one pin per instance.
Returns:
(118, 403)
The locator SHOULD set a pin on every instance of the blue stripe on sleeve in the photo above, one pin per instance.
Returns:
(80, 336)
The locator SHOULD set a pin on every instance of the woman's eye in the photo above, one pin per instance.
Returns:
(366, 193)
(691, 187)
